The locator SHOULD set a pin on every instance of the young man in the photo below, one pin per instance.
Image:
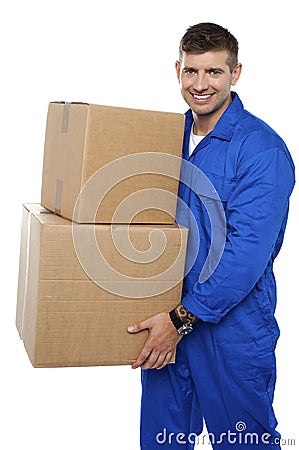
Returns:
(224, 331)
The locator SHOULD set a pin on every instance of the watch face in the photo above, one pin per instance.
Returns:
(185, 329)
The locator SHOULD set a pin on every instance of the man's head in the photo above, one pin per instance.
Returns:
(210, 37)
(207, 68)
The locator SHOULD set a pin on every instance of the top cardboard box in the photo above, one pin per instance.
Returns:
(107, 164)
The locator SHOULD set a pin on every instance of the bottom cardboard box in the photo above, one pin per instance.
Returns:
(74, 311)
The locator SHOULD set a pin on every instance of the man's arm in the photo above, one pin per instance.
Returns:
(256, 213)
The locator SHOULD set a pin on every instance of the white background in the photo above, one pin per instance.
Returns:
(122, 53)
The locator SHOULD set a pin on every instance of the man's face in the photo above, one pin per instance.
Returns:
(206, 80)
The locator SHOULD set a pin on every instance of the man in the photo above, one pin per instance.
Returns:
(224, 331)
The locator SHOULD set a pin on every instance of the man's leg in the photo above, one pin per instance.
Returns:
(232, 365)
(170, 412)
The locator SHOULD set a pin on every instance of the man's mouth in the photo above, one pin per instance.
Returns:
(202, 97)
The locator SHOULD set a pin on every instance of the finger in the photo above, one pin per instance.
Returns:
(142, 358)
(166, 361)
(157, 360)
(136, 327)
(160, 361)
(151, 361)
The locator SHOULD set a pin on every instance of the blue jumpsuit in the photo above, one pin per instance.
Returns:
(225, 369)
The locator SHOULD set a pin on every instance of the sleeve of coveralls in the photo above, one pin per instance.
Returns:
(255, 213)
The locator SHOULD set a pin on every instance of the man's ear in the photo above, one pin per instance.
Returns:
(236, 74)
(178, 70)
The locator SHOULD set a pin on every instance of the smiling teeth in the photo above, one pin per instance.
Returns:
(202, 97)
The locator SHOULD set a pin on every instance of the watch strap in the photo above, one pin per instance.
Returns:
(177, 322)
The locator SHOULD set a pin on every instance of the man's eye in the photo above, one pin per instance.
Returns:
(189, 71)
(215, 72)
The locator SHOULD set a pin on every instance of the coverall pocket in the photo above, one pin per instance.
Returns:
(212, 202)
(215, 188)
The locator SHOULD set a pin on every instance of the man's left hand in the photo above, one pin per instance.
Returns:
(160, 344)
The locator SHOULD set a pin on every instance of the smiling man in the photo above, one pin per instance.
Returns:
(224, 330)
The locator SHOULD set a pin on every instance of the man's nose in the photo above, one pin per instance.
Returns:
(201, 82)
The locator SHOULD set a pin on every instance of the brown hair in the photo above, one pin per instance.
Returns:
(206, 37)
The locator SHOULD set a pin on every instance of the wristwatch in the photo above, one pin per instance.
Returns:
(181, 327)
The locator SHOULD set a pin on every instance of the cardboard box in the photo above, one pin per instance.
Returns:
(101, 160)
(73, 309)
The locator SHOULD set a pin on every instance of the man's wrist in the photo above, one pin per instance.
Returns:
(184, 326)
(184, 315)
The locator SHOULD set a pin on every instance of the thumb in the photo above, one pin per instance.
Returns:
(135, 328)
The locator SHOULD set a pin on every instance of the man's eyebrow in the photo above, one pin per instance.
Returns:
(189, 68)
(211, 69)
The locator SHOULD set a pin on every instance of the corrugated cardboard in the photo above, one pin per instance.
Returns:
(107, 154)
(64, 317)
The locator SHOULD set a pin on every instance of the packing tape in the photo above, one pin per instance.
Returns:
(58, 196)
(65, 117)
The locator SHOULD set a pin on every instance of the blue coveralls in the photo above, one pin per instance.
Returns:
(225, 369)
